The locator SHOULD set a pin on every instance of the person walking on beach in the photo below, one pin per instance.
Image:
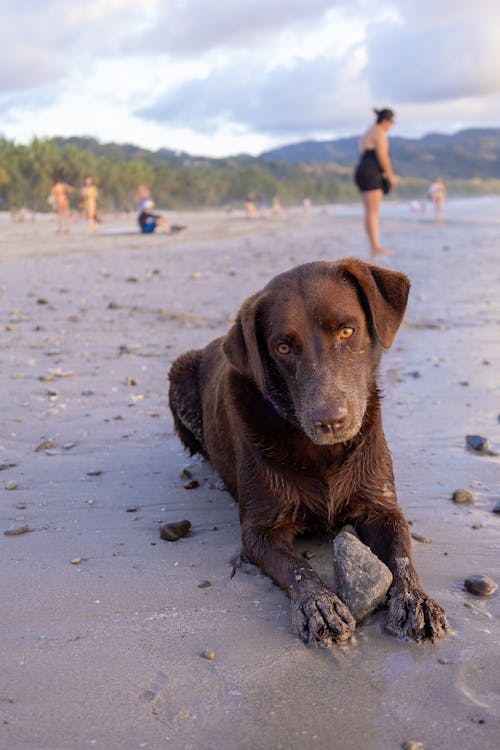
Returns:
(60, 201)
(437, 196)
(89, 203)
(374, 175)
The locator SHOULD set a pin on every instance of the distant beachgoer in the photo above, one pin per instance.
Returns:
(374, 175)
(437, 196)
(142, 196)
(277, 207)
(89, 203)
(149, 221)
(250, 206)
(307, 206)
(60, 200)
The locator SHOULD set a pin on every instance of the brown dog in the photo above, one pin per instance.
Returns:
(287, 409)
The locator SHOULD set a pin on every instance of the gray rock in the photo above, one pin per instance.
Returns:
(476, 442)
(361, 579)
(420, 538)
(496, 509)
(463, 496)
(480, 585)
(171, 532)
(16, 530)
(480, 445)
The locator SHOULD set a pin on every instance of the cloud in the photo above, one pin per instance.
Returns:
(185, 27)
(310, 95)
(410, 53)
(251, 69)
(436, 57)
(43, 40)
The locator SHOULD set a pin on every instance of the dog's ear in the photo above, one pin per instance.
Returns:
(384, 294)
(243, 344)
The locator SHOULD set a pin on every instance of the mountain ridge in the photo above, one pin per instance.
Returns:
(467, 154)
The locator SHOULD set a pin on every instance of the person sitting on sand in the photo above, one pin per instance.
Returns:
(60, 201)
(148, 221)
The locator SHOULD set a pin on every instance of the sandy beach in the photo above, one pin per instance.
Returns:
(103, 623)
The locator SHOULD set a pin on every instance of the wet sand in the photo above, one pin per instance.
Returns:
(106, 652)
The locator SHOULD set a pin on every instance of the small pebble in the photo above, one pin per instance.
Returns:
(45, 445)
(171, 532)
(209, 654)
(443, 661)
(476, 442)
(412, 745)
(191, 485)
(476, 526)
(420, 538)
(308, 554)
(204, 584)
(480, 585)
(16, 530)
(11, 485)
(463, 496)
(94, 473)
(132, 509)
(76, 561)
(185, 474)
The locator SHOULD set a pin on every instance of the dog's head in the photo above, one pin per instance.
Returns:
(311, 340)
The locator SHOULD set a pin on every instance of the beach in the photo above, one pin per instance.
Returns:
(104, 623)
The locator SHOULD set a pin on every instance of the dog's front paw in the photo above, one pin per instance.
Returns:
(412, 614)
(320, 618)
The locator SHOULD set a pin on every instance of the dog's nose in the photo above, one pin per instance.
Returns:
(331, 420)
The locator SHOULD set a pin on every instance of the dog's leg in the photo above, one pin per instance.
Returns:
(319, 617)
(184, 400)
(411, 613)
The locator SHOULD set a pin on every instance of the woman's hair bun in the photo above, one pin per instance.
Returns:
(384, 114)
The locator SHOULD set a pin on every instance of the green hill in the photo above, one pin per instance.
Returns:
(468, 154)
(468, 161)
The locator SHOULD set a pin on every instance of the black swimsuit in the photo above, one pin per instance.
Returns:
(368, 175)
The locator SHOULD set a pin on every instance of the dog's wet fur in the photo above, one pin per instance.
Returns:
(287, 408)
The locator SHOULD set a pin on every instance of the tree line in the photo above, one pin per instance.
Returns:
(177, 182)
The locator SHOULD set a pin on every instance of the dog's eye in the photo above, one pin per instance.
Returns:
(346, 332)
(283, 348)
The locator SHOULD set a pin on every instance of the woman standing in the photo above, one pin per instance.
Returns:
(89, 200)
(60, 201)
(374, 175)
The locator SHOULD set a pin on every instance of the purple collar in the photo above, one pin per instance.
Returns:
(277, 408)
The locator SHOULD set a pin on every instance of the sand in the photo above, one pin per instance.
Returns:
(106, 652)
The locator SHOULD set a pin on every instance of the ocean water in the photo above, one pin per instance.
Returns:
(481, 210)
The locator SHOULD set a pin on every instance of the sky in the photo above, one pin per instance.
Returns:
(223, 77)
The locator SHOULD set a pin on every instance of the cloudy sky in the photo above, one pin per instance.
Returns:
(219, 77)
